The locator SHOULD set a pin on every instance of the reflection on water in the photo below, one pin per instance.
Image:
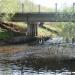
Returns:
(41, 66)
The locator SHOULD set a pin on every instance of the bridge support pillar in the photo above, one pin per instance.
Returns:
(32, 29)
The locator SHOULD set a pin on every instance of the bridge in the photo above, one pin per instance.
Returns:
(33, 19)
(44, 17)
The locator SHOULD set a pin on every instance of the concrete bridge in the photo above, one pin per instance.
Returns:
(35, 19)
(44, 17)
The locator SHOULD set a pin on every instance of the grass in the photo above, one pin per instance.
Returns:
(45, 32)
(5, 35)
(12, 6)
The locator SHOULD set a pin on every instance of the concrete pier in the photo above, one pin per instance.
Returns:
(32, 29)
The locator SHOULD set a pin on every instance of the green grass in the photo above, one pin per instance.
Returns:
(5, 35)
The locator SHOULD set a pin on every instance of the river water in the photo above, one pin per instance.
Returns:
(23, 61)
(38, 67)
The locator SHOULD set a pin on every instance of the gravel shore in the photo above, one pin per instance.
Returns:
(15, 52)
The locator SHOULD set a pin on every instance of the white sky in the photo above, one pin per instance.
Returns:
(51, 3)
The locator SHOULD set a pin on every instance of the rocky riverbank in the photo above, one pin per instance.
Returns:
(23, 40)
(18, 52)
(18, 40)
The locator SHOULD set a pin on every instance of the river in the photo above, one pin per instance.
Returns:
(43, 59)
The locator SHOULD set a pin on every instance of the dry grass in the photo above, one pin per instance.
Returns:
(8, 49)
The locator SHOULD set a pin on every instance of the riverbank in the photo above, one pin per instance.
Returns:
(18, 52)
(25, 58)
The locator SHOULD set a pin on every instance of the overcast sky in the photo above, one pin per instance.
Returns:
(51, 3)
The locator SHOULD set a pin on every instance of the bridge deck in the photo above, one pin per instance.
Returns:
(44, 17)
